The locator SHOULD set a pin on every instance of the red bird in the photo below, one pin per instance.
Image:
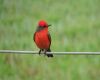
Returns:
(42, 38)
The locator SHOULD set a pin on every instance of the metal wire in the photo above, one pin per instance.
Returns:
(55, 53)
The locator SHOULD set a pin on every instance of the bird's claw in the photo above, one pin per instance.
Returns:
(40, 52)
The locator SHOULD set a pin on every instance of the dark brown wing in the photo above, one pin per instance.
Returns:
(49, 50)
(49, 37)
(34, 36)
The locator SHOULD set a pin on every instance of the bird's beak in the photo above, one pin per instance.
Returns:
(49, 25)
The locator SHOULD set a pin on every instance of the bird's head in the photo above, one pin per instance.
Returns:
(43, 23)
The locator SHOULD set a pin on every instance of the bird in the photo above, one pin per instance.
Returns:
(42, 38)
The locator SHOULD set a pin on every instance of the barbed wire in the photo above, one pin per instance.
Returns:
(55, 53)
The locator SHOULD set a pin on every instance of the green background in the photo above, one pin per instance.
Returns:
(75, 27)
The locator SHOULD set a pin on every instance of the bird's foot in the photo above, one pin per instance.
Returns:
(39, 51)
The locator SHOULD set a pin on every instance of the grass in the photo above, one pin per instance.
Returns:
(75, 27)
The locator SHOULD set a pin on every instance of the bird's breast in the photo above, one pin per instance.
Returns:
(41, 39)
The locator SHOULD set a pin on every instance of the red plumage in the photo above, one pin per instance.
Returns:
(42, 38)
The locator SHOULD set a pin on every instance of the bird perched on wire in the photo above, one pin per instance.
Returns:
(42, 38)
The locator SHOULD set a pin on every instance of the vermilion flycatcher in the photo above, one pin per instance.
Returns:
(42, 38)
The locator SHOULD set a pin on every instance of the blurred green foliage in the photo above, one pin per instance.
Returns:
(75, 27)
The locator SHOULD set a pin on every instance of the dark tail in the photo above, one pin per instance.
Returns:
(49, 55)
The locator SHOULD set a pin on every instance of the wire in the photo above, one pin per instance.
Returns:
(55, 53)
